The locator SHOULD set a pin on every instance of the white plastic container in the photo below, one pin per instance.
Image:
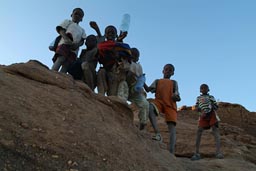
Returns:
(125, 24)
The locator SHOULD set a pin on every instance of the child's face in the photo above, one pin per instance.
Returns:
(168, 71)
(91, 42)
(77, 16)
(204, 89)
(110, 33)
(135, 55)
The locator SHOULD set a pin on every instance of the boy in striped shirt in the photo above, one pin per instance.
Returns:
(207, 105)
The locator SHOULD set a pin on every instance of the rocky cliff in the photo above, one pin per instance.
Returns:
(48, 121)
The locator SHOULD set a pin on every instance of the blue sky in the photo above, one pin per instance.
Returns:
(208, 41)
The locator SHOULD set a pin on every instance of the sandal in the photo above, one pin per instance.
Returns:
(219, 155)
(157, 137)
(196, 156)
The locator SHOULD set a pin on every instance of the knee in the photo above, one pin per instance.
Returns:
(200, 131)
(151, 107)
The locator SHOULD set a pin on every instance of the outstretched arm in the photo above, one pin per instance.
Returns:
(122, 35)
(95, 26)
(151, 88)
(147, 88)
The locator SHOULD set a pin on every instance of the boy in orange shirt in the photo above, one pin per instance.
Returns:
(166, 96)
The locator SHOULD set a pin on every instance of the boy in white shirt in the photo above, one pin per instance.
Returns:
(72, 37)
(137, 95)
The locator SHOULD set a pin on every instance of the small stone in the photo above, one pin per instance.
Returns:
(55, 156)
(70, 162)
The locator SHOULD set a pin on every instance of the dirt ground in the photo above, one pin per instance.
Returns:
(50, 122)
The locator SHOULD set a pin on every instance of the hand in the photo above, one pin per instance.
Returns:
(122, 35)
(93, 25)
(176, 97)
(74, 46)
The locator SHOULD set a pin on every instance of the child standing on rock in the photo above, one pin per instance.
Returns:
(207, 105)
(166, 96)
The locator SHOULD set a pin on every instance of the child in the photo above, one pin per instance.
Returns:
(113, 56)
(89, 61)
(206, 105)
(166, 96)
(106, 53)
(72, 38)
(136, 93)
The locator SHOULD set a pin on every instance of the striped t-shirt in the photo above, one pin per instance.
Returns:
(206, 103)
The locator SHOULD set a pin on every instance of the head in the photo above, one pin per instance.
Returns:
(77, 15)
(168, 70)
(135, 54)
(204, 89)
(110, 32)
(91, 41)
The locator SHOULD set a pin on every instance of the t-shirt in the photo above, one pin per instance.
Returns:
(76, 31)
(206, 103)
(136, 68)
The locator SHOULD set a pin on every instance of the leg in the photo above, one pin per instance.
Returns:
(57, 64)
(123, 90)
(102, 81)
(113, 80)
(198, 138)
(197, 156)
(64, 67)
(88, 74)
(152, 118)
(143, 105)
(216, 135)
(172, 132)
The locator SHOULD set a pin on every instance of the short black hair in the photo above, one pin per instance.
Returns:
(78, 9)
(204, 85)
(135, 51)
(170, 65)
(111, 26)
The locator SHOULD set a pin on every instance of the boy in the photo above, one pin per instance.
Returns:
(89, 61)
(136, 93)
(114, 56)
(207, 105)
(72, 37)
(166, 96)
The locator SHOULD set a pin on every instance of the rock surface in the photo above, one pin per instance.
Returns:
(50, 122)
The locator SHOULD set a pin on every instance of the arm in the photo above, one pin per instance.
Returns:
(176, 94)
(77, 45)
(95, 26)
(63, 34)
(122, 35)
(147, 88)
(214, 103)
(62, 28)
(197, 105)
(151, 88)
